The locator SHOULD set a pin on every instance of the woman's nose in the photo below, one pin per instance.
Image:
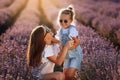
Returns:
(51, 33)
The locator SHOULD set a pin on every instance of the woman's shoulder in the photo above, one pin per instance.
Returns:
(52, 49)
(47, 47)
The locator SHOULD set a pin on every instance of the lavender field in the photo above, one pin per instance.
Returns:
(98, 23)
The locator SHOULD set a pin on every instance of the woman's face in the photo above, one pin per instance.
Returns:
(65, 20)
(48, 36)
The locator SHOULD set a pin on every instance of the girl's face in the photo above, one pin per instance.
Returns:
(48, 36)
(65, 20)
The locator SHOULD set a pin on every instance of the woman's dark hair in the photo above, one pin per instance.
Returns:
(36, 46)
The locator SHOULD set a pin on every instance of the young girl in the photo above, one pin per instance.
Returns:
(68, 32)
(42, 54)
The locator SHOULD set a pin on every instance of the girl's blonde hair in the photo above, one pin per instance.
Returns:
(68, 11)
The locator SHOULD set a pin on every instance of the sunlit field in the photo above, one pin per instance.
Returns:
(98, 23)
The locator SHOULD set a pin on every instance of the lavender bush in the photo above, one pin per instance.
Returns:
(11, 11)
(102, 16)
(100, 57)
(14, 44)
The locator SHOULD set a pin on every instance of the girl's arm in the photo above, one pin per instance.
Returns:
(73, 35)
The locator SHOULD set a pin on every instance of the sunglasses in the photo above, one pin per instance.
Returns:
(65, 21)
(47, 29)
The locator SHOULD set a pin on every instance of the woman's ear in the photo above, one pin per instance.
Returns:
(45, 38)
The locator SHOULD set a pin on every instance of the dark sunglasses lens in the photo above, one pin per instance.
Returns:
(47, 29)
(65, 21)
(60, 21)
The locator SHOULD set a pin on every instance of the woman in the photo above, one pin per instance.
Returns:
(42, 54)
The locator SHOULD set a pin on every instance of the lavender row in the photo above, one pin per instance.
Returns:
(53, 14)
(106, 7)
(102, 16)
(9, 13)
(14, 43)
(100, 61)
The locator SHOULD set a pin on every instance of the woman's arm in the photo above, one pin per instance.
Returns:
(76, 42)
(58, 60)
(55, 40)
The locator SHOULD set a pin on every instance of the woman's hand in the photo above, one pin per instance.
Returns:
(69, 44)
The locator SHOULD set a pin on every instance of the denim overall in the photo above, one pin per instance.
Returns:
(74, 52)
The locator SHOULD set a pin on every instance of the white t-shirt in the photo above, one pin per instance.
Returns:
(73, 32)
(49, 50)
